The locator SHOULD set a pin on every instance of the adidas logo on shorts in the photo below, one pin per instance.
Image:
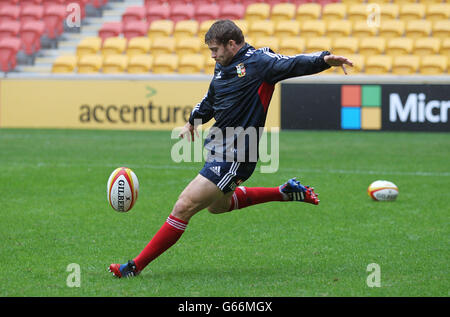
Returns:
(215, 170)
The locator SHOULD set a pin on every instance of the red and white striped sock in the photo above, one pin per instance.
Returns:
(248, 196)
(167, 236)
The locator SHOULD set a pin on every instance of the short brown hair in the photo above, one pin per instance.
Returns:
(222, 31)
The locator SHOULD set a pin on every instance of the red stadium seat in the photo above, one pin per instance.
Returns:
(48, 3)
(133, 13)
(54, 16)
(30, 35)
(9, 29)
(181, 12)
(134, 29)
(232, 11)
(110, 29)
(9, 13)
(8, 2)
(31, 12)
(8, 52)
(205, 12)
(98, 3)
(157, 12)
(24, 3)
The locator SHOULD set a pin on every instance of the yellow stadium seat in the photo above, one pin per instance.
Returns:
(90, 63)
(243, 25)
(261, 28)
(433, 65)
(139, 45)
(438, 11)
(287, 28)
(160, 28)
(191, 64)
(210, 64)
(313, 28)
(339, 28)
(357, 12)
(352, 2)
(269, 41)
(445, 46)
(362, 29)
(334, 11)
(257, 11)
(427, 46)
(163, 45)
(401, 2)
(165, 64)
(89, 45)
(378, 64)
(188, 45)
(399, 46)
(140, 64)
(308, 11)
(389, 11)
(418, 28)
(372, 46)
(405, 65)
(292, 46)
(380, 1)
(358, 65)
(315, 44)
(412, 11)
(392, 28)
(441, 29)
(115, 64)
(64, 64)
(282, 11)
(203, 28)
(186, 28)
(345, 46)
(114, 45)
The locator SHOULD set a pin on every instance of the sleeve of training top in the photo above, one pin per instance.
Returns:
(204, 109)
(277, 67)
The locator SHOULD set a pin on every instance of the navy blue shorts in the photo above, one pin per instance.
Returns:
(227, 175)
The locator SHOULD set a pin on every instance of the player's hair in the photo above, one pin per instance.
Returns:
(222, 31)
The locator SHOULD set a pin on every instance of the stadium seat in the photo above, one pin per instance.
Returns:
(269, 41)
(372, 46)
(9, 13)
(405, 65)
(134, 29)
(389, 11)
(64, 64)
(157, 12)
(32, 13)
(206, 12)
(203, 28)
(339, 28)
(138, 45)
(316, 44)
(232, 11)
(418, 28)
(140, 64)
(88, 46)
(160, 28)
(110, 29)
(308, 11)
(30, 34)
(163, 45)
(53, 18)
(438, 11)
(433, 65)
(412, 11)
(179, 12)
(378, 65)
(257, 11)
(392, 28)
(188, 45)
(9, 29)
(115, 64)
(186, 28)
(287, 28)
(8, 53)
(362, 29)
(282, 12)
(345, 46)
(445, 47)
(210, 65)
(191, 64)
(399, 46)
(292, 46)
(134, 13)
(261, 28)
(165, 64)
(334, 11)
(357, 12)
(441, 29)
(243, 25)
(358, 65)
(114, 46)
(426, 46)
(89, 64)
(313, 28)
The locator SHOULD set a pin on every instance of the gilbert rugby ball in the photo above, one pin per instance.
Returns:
(383, 190)
(122, 189)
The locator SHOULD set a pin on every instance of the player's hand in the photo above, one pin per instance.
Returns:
(189, 131)
(334, 60)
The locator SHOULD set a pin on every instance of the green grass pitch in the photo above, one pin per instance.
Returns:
(54, 212)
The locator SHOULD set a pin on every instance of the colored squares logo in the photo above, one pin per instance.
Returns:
(361, 107)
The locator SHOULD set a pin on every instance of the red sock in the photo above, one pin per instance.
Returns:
(248, 196)
(167, 236)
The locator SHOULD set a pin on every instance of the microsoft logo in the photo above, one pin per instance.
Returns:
(361, 107)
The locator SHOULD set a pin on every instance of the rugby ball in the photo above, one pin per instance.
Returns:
(382, 190)
(122, 189)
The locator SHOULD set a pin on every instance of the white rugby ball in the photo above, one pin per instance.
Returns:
(382, 190)
(122, 189)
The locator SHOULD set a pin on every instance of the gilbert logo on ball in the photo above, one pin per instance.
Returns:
(382, 190)
(122, 189)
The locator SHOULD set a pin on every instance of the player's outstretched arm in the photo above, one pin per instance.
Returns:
(334, 60)
(189, 131)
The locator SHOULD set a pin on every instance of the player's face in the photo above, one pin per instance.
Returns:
(222, 54)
